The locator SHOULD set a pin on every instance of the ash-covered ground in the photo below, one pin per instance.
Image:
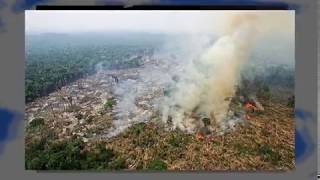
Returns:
(106, 103)
(88, 107)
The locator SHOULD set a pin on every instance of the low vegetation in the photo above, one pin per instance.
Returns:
(45, 152)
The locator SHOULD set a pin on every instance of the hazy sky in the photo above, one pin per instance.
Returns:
(146, 21)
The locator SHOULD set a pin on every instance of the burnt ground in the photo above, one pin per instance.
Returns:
(83, 111)
(265, 143)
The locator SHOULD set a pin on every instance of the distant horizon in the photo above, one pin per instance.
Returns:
(114, 32)
(164, 22)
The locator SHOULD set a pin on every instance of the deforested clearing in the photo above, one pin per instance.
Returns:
(164, 100)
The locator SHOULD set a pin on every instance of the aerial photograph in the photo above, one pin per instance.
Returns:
(165, 90)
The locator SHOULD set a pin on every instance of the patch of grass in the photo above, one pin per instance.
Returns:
(291, 102)
(118, 163)
(157, 165)
(141, 135)
(137, 128)
(178, 139)
(267, 153)
(173, 147)
(109, 104)
(35, 123)
(216, 143)
(145, 140)
(243, 149)
(263, 150)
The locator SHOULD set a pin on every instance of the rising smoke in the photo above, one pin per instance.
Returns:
(199, 82)
(208, 82)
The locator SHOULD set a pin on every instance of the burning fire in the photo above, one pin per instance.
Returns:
(200, 136)
(251, 107)
(248, 105)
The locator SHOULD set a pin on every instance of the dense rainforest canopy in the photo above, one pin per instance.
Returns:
(53, 60)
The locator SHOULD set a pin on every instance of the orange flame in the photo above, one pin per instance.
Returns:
(200, 136)
(249, 106)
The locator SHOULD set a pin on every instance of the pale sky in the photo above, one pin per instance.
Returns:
(209, 21)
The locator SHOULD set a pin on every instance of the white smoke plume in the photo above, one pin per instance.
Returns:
(208, 82)
(199, 79)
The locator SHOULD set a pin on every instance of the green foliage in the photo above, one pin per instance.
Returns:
(69, 155)
(178, 139)
(144, 141)
(109, 104)
(118, 163)
(56, 60)
(35, 123)
(98, 159)
(137, 128)
(266, 152)
(291, 101)
(64, 155)
(243, 149)
(157, 165)
(142, 137)
(44, 152)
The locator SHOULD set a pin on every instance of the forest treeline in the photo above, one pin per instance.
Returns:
(54, 60)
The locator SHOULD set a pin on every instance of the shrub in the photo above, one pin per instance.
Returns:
(109, 104)
(35, 123)
(69, 155)
(157, 165)
(178, 139)
(142, 136)
(291, 101)
(118, 163)
(269, 154)
(97, 159)
(243, 149)
(137, 128)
